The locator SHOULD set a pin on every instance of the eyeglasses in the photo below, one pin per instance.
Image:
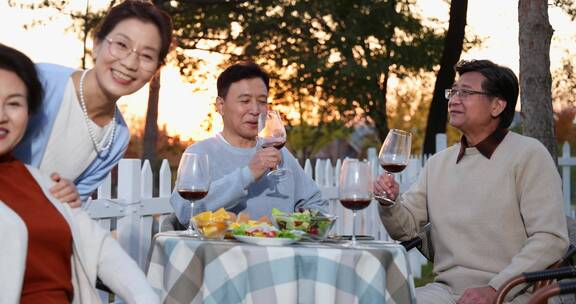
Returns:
(462, 93)
(121, 49)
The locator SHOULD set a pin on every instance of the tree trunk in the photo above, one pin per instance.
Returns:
(453, 43)
(380, 114)
(381, 124)
(86, 30)
(535, 34)
(150, 137)
(151, 127)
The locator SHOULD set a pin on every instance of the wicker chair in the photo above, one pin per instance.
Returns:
(555, 289)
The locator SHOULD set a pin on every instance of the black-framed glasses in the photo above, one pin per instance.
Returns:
(121, 49)
(462, 93)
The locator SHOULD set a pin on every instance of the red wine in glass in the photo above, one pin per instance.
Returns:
(394, 155)
(393, 168)
(354, 203)
(193, 181)
(355, 189)
(192, 195)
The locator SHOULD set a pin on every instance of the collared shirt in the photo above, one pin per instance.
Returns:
(486, 147)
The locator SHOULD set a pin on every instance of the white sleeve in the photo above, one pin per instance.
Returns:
(14, 239)
(115, 267)
(121, 273)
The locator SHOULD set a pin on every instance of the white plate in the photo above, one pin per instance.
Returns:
(265, 241)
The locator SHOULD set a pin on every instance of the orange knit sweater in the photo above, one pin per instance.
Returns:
(48, 267)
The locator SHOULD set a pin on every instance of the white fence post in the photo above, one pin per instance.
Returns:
(165, 188)
(373, 225)
(129, 194)
(319, 174)
(335, 206)
(145, 229)
(104, 193)
(441, 142)
(308, 168)
(566, 162)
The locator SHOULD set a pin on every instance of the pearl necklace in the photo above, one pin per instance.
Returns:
(89, 121)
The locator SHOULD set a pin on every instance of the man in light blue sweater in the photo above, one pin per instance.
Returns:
(239, 164)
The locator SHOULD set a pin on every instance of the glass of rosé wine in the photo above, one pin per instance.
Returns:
(272, 134)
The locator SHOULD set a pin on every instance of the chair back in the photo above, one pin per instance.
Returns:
(423, 242)
(427, 246)
(171, 223)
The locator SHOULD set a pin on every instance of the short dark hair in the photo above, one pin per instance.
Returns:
(16, 62)
(500, 82)
(143, 11)
(237, 72)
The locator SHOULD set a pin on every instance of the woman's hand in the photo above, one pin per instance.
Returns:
(65, 191)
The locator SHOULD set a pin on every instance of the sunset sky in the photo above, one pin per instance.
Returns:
(183, 106)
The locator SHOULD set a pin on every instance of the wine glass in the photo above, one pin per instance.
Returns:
(355, 188)
(193, 181)
(394, 154)
(272, 134)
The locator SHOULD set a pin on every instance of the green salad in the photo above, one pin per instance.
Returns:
(262, 230)
(310, 221)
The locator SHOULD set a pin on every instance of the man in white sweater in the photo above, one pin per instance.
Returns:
(494, 201)
(239, 164)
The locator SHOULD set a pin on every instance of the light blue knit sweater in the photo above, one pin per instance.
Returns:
(233, 187)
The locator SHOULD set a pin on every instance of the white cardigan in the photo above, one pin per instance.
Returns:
(95, 253)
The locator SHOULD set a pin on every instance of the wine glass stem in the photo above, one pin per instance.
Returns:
(191, 228)
(353, 227)
(393, 177)
(277, 166)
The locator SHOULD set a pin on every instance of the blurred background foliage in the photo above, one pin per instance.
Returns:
(335, 65)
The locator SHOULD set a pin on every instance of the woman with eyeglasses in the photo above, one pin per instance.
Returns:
(50, 253)
(78, 134)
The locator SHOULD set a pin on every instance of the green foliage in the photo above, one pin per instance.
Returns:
(569, 6)
(564, 83)
(341, 52)
(427, 276)
(329, 60)
(305, 140)
(410, 110)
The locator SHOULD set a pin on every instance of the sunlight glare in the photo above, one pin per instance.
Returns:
(182, 107)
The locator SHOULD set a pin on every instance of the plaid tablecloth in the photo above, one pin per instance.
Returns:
(188, 270)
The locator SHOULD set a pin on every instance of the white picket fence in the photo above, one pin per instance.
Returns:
(133, 211)
(566, 161)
